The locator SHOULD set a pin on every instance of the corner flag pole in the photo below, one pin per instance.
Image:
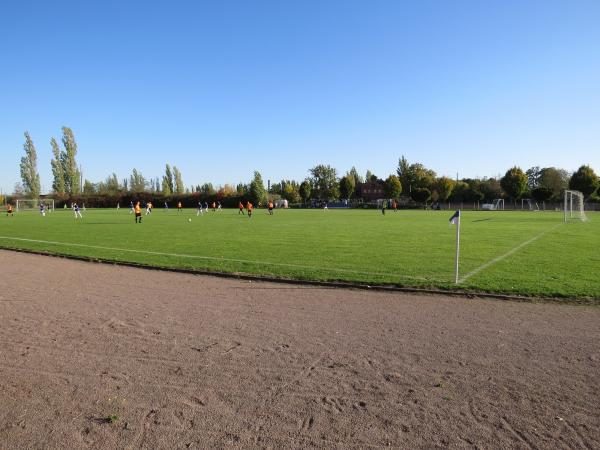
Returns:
(457, 249)
(455, 220)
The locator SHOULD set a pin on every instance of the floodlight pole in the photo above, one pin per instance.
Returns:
(457, 248)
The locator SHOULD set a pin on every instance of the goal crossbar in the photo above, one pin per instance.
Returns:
(31, 204)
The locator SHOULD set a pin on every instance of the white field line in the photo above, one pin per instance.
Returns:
(507, 254)
(210, 258)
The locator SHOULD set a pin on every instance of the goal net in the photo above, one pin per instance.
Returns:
(574, 207)
(29, 204)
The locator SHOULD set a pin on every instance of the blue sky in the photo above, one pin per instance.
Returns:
(222, 88)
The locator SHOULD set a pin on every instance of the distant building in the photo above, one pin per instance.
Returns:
(371, 191)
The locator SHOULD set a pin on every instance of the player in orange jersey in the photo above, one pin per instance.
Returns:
(138, 213)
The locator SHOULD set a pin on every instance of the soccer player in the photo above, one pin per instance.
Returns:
(270, 207)
(166, 207)
(131, 207)
(241, 206)
(395, 205)
(9, 210)
(77, 211)
(138, 213)
(214, 206)
(218, 206)
(206, 206)
(199, 211)
(179, 207)
(42, 209)
(249, 207)
(383, 207)
(118, 206)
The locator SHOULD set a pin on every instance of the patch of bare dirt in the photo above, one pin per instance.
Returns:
(99, 356)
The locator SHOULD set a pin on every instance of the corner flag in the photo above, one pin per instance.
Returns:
(455, 220)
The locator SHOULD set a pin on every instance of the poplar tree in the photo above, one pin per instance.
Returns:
(71, 173)
(137, 182)
(58, 183)
(357, 178)
(257, 188)
(179, 187)
(29, 172)
(403, 173)
(167, 183)
(112, 184)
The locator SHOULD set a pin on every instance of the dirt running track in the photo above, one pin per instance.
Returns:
(198, 362)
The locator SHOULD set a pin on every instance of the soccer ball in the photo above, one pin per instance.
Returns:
(189, 220)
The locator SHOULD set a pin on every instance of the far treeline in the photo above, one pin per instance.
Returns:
(410, 182)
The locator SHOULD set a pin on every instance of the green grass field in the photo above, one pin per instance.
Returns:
(528, 253)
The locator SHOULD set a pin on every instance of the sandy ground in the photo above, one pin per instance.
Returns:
(200, 362)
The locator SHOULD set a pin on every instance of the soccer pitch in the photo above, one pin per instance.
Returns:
(527, 253)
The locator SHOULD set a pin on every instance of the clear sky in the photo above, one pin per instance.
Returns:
(225, 87)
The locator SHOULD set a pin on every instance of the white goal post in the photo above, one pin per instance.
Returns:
(574, 207)
(29, 204)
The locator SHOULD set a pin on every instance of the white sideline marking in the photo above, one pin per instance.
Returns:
(212, 258)
(507, 254)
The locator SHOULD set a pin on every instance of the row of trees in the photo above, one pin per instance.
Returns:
(543, 184)
(410, 180)
(422, 184)
(171, 184)
(67, 177)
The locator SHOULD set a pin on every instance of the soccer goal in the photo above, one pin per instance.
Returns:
(496, 205)
(574, 208)
(30, 204)
(527, 203)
